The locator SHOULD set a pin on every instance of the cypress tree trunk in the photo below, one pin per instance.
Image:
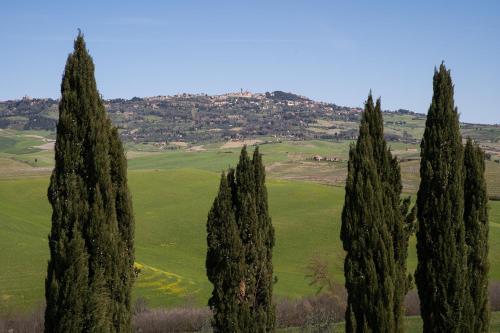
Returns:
(477, 312)
(368, 219)
(224, 262)
(441, 271)
(83, 277)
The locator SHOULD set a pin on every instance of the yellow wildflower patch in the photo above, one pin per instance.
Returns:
(166, 282)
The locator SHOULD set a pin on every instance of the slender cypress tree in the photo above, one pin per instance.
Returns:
(125, 218)
(224, 262)
(247, 220)
(367, 222)
(477, 313)
(441, 270)
(84, 272)
(241, 227)
(397, 214)
(265, 307)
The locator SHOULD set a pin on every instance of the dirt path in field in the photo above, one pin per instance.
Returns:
(46, 146)
(196, 148)
(238, 144)
(178, 144)
(34, 136)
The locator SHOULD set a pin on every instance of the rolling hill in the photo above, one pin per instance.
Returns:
(172, 192)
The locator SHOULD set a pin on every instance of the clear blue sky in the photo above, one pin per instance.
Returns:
(333, 51)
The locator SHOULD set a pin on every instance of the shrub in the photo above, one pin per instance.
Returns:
(31, 322)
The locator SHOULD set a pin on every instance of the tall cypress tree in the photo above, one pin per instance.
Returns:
(247, 221)
(477, 312)
(265, 307)
(224, 262)
(441, 270)
(83, 274)
(125, 219)
(397, 214)
(367, 222)
(245, 209)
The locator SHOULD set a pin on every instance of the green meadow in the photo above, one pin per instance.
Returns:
(172, 193)
(170, 208)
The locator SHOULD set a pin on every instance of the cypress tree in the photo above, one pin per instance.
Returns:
(265, 307)
(83, 277)
(441, 270)
(477, 313)
(125, 219)
(367, 222)
(251, 238)
(224, 262)
(248, 235)
(397, 214)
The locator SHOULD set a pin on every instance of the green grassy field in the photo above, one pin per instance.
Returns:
(170, 208)
(172, 193)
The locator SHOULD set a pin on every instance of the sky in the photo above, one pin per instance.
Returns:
(332, 51)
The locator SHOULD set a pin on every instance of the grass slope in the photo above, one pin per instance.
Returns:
(172, 193)
(171, 208)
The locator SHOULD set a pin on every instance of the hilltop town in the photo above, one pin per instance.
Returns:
(197, 118)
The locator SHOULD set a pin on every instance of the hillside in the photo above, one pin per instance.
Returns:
(200, 118)
(172, 192)
(192, 117)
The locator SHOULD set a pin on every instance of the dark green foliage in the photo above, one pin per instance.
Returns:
(266, 308)
(441, 271)
(373, 231)
(477, 311)
(125, 220)
(252, 238)
(225, 261)
(397, 214)
(84, 271)
(66, 286)
(246, 210)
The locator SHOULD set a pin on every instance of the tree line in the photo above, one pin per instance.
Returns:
(90, 272)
